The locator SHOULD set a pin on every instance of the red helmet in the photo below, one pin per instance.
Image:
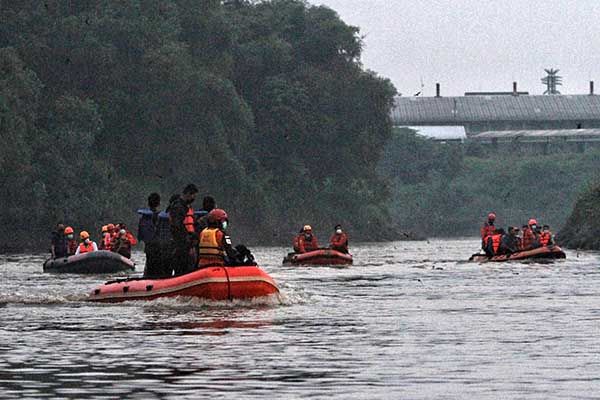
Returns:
(217, 216)
(491, 216)
(532, 221)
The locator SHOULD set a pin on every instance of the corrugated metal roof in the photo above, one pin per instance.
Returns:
(445, 110)
(567, 133)
(440, 132)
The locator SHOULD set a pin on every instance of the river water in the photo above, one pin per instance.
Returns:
(408, 320)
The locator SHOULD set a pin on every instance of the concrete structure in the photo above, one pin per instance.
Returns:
(500, 111)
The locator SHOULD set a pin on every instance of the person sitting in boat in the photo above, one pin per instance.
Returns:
(214, 248)
(531, 239)
(493, 243)
(339, 240)
(113, 234)
(58, 245)
(121, 226)
(546, 237)
(509, 243)
(106, 239)
(487, 229)
(123, 244)
(307, 241)
(86, 245)
(71, 242)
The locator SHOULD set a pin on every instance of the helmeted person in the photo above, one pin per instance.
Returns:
(106, 239)
(123, 244)
(113, 231)
(493, 242)
(155, 232)
(58, 245)
(307, 241)
(208, 204)
(132, 239)
(71, 241)
(546, 237)
(86, 245)
(531, 239)
(487, 229)
(509, 243)
(339, 240)
(215, 247)
(185, 238)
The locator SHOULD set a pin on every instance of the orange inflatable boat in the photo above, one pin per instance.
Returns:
(319, 257)
(546, 252)
(212, 283)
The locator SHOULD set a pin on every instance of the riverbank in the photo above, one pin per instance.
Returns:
(582, 230)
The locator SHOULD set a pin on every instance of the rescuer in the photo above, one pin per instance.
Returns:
(307, 241)
(339, 240)
(215, 247)
(86, 245)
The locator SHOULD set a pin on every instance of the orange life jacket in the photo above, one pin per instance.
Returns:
(339, 241)
(487, 230)
(496, 242)
(131, 238)
(106, 240)
(545, 238)
(211, 251)
(528, 238)
(188, 221)
(86, 248)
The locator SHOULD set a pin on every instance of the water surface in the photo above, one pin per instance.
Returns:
(408, 320)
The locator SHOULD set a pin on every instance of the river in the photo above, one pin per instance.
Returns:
(408, 320)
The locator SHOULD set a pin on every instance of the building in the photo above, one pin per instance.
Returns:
(499, 111)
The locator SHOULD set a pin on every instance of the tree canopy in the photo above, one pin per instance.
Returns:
(263, 104)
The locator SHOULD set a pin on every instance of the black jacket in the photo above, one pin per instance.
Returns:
(508, 244)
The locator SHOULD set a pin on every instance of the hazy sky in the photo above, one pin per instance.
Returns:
(477, 45)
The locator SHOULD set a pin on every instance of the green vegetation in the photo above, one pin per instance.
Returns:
(263, 104)
(582, 230)
(439, 190)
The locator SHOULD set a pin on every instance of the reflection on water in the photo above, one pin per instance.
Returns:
(408, 320)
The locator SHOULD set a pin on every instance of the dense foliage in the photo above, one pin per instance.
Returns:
(263, 104)
(582, 230)
(439, 190)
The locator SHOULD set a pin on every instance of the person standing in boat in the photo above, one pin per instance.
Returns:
(509, 242)
(215, 247)
(339, 240)
(71, 242)
(185, 239)
(86, 245)
(487, 229)
(58, 246)
(307, 241)
(155, 232)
